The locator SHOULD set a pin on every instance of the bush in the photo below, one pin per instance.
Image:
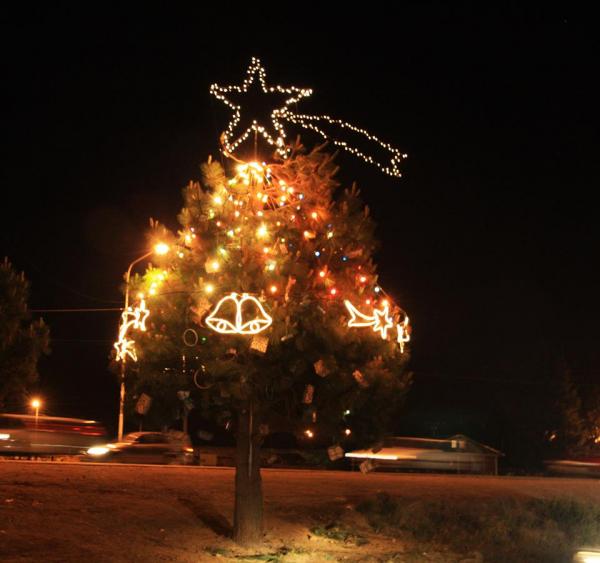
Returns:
(524, 530)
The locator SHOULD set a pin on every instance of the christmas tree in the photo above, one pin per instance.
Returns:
(22, 341)
(268, 307)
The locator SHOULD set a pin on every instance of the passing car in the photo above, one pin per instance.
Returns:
(584, 466)
(27, 434)
(457, 454)
(145, 447)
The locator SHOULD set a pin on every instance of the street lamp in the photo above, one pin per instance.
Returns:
(36, 404)
(161, 248)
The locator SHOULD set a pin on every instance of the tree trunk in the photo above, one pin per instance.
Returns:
(248, 514)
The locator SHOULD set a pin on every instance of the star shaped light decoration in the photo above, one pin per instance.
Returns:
(274, 132)
(141, 313)
(341, 133)
(130, 318)
(382, 320)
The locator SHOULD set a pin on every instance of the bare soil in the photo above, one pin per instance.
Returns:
(94, 513)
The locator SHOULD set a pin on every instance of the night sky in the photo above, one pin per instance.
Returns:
(489, 240)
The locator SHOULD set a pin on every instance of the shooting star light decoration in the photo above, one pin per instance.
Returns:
(329, 128)
(380, 320)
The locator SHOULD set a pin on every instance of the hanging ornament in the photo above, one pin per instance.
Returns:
(201, 379)
(307, 398)
(290, 283)
(142, 405)
(259, 344)
(190, 337)
(355, 253)
(360, 378)
(335, 452)
(246, 315)
(320, 368)
(200, 307)
(380, 320)
(367, 466)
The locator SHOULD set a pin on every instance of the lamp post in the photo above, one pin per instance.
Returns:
(160, 248)
(36, 404)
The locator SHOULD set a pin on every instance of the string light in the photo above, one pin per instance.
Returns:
(274, 132)
(314, 123)
(262, 231)
(267, 192)
(212, 266)
(239, 325)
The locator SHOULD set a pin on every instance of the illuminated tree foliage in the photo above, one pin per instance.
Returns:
(22, 341)
(301, 249)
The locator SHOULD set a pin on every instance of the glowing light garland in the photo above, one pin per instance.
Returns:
(309, 122)
(380, 320)
(239, 325)
(277, 136)
(130, 318)
(403, 333)
(283, 113)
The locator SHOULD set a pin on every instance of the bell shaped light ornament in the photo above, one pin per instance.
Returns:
(238, 314)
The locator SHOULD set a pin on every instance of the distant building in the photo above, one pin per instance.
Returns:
(458, 453)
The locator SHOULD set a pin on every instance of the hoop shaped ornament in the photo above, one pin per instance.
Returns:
(242, 306)
(196, 373)
(190, 337)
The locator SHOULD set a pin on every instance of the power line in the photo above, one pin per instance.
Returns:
(81, 310)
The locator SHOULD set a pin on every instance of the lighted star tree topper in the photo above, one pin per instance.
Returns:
(329, 128)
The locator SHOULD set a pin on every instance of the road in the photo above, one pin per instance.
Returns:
(96, 512)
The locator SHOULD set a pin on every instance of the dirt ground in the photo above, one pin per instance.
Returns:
(95, 513)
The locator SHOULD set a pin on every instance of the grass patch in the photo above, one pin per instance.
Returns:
(340, 533)
(278, 556)
(524, 530)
